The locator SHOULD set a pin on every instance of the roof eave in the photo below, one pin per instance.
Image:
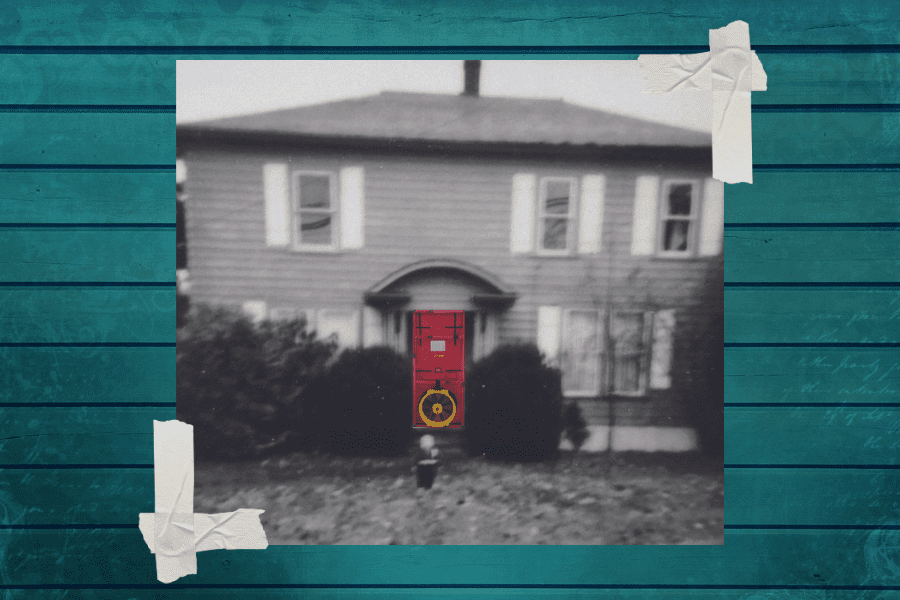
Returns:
(192, 136)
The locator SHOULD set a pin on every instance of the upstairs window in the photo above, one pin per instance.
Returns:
(678, 218)
(678, 215)
(556, 210)
(314, 210)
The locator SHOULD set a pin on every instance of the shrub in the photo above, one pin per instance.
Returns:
(514, 405)
(182, 306)
(362, 404)
(574, 425)
(240, 384)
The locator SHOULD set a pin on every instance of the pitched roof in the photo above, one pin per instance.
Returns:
(450, 118)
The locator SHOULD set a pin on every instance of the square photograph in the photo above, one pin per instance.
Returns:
(451, 301)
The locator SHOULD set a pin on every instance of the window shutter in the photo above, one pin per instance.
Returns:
(593, 188)
(661, 353)
(548, 331)
(643, 235)
(712, 221)
(373, 331)
(278, 204)
(351, 220)
(523, 207)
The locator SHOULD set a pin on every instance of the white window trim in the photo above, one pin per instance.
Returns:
(694, 219)
(296, 239)
(601, 354)
(646, 347)
(571, 216)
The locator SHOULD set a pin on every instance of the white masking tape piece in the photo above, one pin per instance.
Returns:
(731, 71)
(238, 530)
(174, 533)
(666, 73)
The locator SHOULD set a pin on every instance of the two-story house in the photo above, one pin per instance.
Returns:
(587, 232)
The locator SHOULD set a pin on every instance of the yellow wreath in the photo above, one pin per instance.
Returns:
(428, 421)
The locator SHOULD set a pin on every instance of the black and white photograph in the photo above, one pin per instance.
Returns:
(569, 218)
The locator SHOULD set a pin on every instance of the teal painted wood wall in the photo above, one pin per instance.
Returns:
(87, 303)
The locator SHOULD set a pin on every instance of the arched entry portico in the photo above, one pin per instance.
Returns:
(437, 284)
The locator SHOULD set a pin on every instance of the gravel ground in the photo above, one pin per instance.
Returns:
(638, 498)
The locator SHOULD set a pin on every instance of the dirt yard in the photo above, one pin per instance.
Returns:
(583, 499)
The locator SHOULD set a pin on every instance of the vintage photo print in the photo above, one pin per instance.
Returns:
(451, 301)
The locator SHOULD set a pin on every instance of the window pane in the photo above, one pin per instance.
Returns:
(627, 333)
(675, 235)
(627, 374)
(680, 199)
(581, 350)
(555, 234)
(315, 228)
(314, 191)
(557, 201)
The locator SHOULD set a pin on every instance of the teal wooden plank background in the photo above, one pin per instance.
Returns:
(812, 384)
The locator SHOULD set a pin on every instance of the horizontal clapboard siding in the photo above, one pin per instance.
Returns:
(413, 212)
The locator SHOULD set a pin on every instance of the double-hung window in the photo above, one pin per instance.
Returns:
(603, 352)
(629, 337)
(556, 215)
(314, 210)
(582, 341)
(678, 216)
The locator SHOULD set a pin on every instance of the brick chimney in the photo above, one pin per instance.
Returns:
(472, 70)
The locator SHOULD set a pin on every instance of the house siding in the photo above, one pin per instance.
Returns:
(419, 208)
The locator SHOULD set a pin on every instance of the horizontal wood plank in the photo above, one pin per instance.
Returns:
(810, 496)
(87, 315)
(748, 558)
(87, 375)
(89, 254)
(814, 197)
(82, 435)
(436, 592)
(812, 435)
(812, 315)
(838, 138)
(821, 375)
(812, 255)
(87, 138)
(86, 196)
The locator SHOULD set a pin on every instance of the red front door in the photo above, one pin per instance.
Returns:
(439, 360)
